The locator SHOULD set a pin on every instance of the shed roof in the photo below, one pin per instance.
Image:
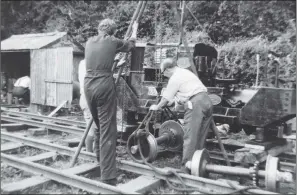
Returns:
(30, 41)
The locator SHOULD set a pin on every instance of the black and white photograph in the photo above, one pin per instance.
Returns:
(148, 97)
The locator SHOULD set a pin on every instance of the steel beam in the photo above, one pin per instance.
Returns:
(68, 179)
(203, 185)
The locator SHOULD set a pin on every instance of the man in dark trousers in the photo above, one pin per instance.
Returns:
(100, 92)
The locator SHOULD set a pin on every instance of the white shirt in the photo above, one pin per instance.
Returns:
(23, 82)
(81, 74)
(182, 85)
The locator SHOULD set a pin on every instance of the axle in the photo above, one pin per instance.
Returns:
(200, 166)
(164, 138)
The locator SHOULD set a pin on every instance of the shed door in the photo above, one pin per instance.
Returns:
(51, 76)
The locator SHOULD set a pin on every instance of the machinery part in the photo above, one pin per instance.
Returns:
(200, 167)
(198, 164)
(149, 147)
(215, 99)
(271, 180)
(255, 173)
(170, 136)
(176, 135)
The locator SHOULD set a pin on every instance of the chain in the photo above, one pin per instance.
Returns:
(255, 174)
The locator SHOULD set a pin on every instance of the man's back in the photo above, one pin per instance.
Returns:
(23, 82)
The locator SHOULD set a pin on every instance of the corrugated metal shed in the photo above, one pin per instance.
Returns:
(30, 41)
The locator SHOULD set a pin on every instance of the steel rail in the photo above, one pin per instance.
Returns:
(58, 175)
(46, 146)
(202, 184)
(73, 130)
(43, 118)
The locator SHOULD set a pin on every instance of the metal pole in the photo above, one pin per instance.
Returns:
(81, 143)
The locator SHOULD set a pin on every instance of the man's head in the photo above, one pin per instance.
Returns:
(167, 67)
(107, 26)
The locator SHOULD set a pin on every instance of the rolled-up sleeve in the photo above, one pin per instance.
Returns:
(171, 89)
(125, 46)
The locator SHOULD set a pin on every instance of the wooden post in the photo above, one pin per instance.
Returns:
(257, 77)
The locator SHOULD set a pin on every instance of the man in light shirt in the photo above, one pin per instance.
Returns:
(89, 142)
(186, 88)
(21, 89)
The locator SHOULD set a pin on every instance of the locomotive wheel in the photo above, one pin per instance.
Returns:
(199, 161)
(271, 181)
(176, 132)
(149, 148)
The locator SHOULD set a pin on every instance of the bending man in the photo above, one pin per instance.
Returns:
(186, 88)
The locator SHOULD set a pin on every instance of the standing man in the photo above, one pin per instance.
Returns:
(84, 106)
(100, 91)
(21, 89)
(186, 88)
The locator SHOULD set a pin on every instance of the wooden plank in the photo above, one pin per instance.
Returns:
(39, 157)
(6, 147)
(13, 126)
(141, 184)
(57, 109)
(35, 181)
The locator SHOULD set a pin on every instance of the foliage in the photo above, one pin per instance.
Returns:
(239, 29)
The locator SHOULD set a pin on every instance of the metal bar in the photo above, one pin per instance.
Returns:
(284, 166)
(62, 128)
(202, 184)
(46, 146)
(238, 171)
(41, 117)
(81, 143)
(68, 179)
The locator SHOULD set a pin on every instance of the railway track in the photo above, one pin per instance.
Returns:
(72, 176)
(202, 184)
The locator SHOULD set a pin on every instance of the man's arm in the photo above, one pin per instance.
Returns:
(125, 46)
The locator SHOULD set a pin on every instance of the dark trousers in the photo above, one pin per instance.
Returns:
(106, 136)
(196, 126)
(21, 92)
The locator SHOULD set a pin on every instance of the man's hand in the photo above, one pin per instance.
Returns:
(171, 103)
(154, 107)
(117, 57)
(121, 62)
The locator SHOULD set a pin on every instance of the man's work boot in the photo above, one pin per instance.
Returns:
(112, 182)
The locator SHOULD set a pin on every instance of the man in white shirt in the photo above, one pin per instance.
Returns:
(89, 142)
(21, 89)
(186, 88)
